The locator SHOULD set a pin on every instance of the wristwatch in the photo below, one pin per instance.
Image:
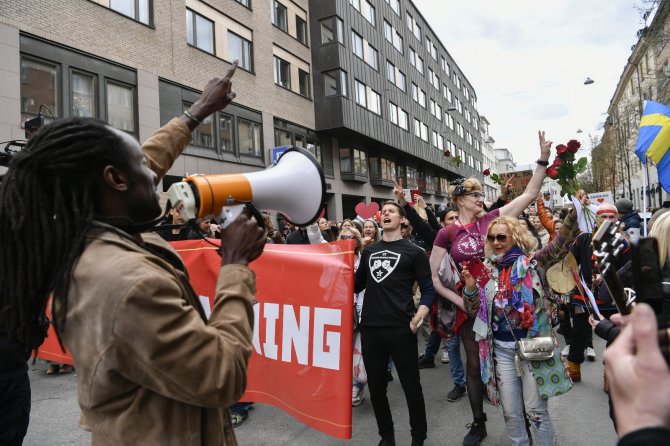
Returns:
(542, 163)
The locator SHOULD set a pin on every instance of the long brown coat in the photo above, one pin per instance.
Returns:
(150, 370)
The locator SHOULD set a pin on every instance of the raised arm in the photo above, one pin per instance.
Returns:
(559, 247)
(516, 206)
(436, 257)
(546, 217)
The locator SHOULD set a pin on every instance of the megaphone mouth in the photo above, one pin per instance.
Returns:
(314, 161)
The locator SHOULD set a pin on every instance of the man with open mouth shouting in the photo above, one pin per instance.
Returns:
(388, 271)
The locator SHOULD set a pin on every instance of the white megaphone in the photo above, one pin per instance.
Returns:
(294, 186)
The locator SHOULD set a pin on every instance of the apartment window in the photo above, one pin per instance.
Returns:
(120, 106)
(390, 72)
(417, 127)
(335, 83)
(226, 133)
(356, 4)
(303, 81)
(279, 16)
(417, 31)
(433, 138)
(424, 132)
(412, 57)
(410, 23)
(39, 85)
(353, 161)
(419, 64)
(445, 65)
(82, 95)
(361, 94)
(241, 49)
(203, 135)
(393, 113)
(403, 119)
(301, 29)
(388, 31)
(395, 5)
(400, 80)
(438, 112)
(397, 41)
(411, 177)
(314, 147)
(332, 30)
(139, 10)
(246, 3)
(374, 101)
(440, 142)
(388, 169)
(250, 137)
(282, 72)
(371, 57)
(357, 44)
(415, 92)
(433, 52)
(369, 12)
(422, 98)
(199, 31)
(283, 138)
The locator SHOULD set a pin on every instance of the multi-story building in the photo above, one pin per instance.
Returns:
(366, 87)
(642, 79)
(504, 160)
(491, 188)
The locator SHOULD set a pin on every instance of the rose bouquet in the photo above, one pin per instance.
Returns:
(565, 169)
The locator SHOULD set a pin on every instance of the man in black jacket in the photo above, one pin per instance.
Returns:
(387, 271)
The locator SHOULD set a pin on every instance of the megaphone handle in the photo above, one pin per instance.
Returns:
(230, 213)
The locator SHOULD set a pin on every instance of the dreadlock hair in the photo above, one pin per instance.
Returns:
(47, 204)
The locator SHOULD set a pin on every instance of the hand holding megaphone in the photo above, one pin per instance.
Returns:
(294, 186)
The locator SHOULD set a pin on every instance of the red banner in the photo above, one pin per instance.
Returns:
(302, 338)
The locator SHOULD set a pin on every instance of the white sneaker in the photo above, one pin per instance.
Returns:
(590, 354)
(566, 351)
(445, 357)
(357, 396)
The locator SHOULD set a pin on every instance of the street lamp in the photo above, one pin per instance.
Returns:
(588, 81)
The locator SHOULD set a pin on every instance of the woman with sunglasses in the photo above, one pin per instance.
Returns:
(465, 240)
(508, 302)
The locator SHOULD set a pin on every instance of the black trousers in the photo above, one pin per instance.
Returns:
(377, 344)
(581, 336)
(14, 409)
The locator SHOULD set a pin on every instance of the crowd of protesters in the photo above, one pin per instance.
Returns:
(471, 273)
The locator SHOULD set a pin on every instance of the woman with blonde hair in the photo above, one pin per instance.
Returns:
(509, 306)
(370, 232)
(465, 240)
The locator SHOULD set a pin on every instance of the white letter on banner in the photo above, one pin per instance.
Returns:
(297, 336)
(271, 314)
(256, 337)
(327, 359)
(204, 301)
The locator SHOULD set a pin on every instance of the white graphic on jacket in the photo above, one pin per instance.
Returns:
(382, 264)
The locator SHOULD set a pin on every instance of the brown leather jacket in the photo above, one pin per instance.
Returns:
(150, 370)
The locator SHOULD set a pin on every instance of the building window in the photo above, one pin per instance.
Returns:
(403, 119)
(393, 113)
(314, 147)
(368, 98)
(335, 83)
(361, 94)
(424, 132)
(280, 16)
(371, 57)
(400, 80)
(369, 12)
(301, 29)
(397, 41)
(226, 140)
(199, 31)
(388, 31)
(282, 72)
(283, 138)
(139, 10)
(419, 64)
(241, 49)
(120, 106)
(417, 31)
(250, 137)
(417, 128)
(82, 95)
(357, 44)
(39, 86)
(395, 5)
(390, 72)
(412, 57)
(422, 98)
(382, 168)
(332, 30)
(246, 3)
(203, 135)
(303, 81)
(415, 92)
(356, 4)
(353, 161)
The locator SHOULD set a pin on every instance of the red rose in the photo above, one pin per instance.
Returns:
(486, 172)
(447, 153)
(552, 172)
(561, 150)
(558, 162)
(573, 146)
(527, 318)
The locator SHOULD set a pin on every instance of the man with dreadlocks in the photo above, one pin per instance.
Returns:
(151, 369)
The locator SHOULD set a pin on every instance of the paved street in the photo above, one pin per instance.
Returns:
(580, 417)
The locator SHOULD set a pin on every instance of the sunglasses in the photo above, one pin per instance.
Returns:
(477, 195)
(498, 237)
(347, 237)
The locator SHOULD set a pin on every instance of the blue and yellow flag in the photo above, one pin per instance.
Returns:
(653, 142)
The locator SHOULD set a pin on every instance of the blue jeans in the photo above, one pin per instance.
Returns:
(455, 361)
(241, 408)
(516, 392)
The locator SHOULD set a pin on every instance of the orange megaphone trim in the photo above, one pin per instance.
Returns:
(217, 191)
